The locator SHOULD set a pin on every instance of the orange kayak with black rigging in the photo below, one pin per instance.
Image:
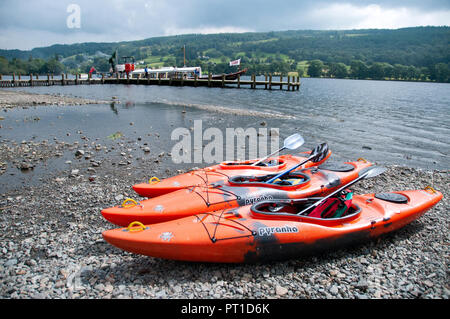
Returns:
(235, 192)
(221, 172)
(258, 233)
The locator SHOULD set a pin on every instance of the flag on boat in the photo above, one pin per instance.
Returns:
(235, 62)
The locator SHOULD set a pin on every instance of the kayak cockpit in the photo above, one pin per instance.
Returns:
(291, 180)
(289, 209)
(272, 163)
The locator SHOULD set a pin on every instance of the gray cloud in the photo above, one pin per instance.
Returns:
(30, 23)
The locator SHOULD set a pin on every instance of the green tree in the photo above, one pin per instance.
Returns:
(338, 70)
(315, 68)
(301, 71)
(441, 73)
(400, 71)
(388, 70)
(359, 70)
(53, 66)
(376, 71)
(4, 65)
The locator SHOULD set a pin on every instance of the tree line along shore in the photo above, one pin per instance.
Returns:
(357, 69)
(412, 54)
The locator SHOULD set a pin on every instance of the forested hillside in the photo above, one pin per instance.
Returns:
(420, 53)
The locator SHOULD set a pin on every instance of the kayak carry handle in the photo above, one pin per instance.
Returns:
(154, 180)
(136, 226)
(429, 188)
(129, 202)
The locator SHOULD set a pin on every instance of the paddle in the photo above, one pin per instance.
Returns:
(291, 142)
(372, 172)
(317, 154)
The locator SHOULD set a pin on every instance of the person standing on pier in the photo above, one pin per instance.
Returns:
(146, 71)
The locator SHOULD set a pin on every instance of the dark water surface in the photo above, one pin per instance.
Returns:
(387, 122)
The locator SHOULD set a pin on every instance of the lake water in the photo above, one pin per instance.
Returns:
(387, 122)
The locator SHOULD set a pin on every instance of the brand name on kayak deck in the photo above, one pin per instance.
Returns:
(210, 145)
(268, 231)
(252, 200)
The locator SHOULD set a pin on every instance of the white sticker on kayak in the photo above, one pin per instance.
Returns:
(268, 231)
(167, 236)
(159, 208)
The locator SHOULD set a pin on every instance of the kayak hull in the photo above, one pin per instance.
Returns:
(241, 236)
(226, 195)
(219, 172)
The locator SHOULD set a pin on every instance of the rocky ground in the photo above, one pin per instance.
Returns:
(51, 244)
(51, 247)
(11, 99)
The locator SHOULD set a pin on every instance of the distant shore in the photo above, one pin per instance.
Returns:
(11, 99)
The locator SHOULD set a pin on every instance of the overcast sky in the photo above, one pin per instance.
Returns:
(26, 24)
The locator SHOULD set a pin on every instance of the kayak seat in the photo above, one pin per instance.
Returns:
(331, 208)
(288, 182)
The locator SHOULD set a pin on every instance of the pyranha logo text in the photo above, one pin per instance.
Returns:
(268, 231)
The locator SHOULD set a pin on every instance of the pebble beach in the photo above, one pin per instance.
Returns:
(51, 245)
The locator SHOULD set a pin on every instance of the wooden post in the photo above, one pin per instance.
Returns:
(265, 80)
(209, 79)
(31, 79)
(239, 81)
(62, 78)
(103, 78)
(20, 77)
(14, 78)
(254, 81)
(159, 78)
(195, 80)
(288, 82)
(1, 78)
(76, 78)
(223, 80)
(89, 78)
(37, 76)
(128, 78)
(281, 81)
(117, 78)
(48, 79)
(270, 81)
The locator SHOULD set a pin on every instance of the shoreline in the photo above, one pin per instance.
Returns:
(52, 247)
(51, 244)
(11, 99)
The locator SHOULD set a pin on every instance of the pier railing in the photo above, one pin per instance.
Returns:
(292, 83)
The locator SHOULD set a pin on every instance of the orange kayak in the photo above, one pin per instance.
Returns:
(235, 192)
(221, 172)
(258, 234)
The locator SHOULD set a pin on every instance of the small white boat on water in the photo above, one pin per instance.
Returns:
(168, 72)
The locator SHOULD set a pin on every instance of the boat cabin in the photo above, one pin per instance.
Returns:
(168, 73)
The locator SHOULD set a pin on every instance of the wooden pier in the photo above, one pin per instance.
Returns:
(270, 82)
